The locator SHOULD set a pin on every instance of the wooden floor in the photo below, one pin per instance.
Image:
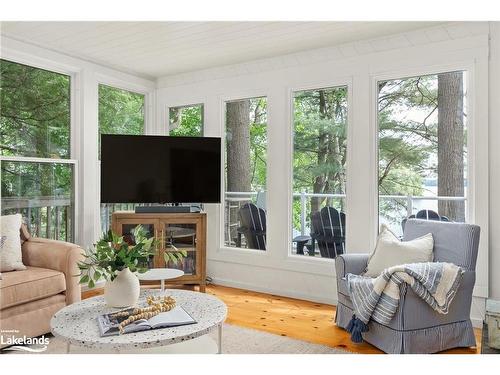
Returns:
(303, 320)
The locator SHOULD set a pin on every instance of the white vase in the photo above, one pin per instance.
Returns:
(123, 291)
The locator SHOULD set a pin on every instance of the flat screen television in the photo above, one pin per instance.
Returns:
(160, 169)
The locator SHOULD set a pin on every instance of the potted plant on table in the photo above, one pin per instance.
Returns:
(117, 262)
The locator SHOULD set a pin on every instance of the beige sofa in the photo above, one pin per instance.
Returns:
(29, 298)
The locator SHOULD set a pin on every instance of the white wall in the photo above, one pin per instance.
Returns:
(494, 166)
(358, 65)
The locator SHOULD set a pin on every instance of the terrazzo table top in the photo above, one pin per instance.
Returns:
(77, 323)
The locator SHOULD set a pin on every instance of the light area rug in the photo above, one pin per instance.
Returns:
(239, 340)
(236, 340)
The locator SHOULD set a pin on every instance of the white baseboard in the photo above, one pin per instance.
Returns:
(476, 323)
(278, 292)
(99, 284)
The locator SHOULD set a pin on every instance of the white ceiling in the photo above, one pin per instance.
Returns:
(155, 49)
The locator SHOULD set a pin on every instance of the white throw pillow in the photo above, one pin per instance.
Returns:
(11, 258)
(390, 251)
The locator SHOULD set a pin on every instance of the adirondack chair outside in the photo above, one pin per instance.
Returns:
(328, 230)
(253, 227)
(425, 215)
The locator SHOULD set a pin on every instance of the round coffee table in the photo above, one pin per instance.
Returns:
(76, 324)
(161, 274)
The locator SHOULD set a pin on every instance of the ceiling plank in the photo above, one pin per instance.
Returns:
(157, 49)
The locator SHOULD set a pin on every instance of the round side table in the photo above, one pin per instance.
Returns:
(161, 274)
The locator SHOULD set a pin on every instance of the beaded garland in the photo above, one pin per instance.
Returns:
(156, 306)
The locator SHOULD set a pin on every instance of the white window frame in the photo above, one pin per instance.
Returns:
(477, 123)
(466, 69)
(74, 79)
(222, 248)
(291, 91)
(149, 128)
(85, 77)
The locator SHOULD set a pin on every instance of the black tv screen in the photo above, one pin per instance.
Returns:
(160, 169)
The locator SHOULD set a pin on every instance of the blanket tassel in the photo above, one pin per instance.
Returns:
(355, 328)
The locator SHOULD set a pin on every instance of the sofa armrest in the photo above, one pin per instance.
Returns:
(350, 263)
(59, 256)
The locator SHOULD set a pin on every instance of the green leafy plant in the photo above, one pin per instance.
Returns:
(112, 254)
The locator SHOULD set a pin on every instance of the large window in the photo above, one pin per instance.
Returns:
(120, 112)
(186, 121)
(319, 172)
(245, 224)
(422, 149)
(35, 129)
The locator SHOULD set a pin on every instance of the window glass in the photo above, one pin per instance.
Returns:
(186, 121)
(43, 194)
(120, 112)
(35, 122)
(245, 218)
(319, 172)
(422, 149)
(35, 118)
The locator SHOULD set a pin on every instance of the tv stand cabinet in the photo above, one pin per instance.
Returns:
(174, 232)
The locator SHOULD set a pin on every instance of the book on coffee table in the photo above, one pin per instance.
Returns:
(109, 324)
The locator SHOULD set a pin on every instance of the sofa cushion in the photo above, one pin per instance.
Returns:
(34, 306)
(28, 285)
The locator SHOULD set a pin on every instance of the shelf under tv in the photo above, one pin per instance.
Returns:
(166, 209)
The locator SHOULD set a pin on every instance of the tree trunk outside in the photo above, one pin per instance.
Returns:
(238, 146)
(320, 180)
(451, 144)
(238, 152)
(336, 180)
(175, 119)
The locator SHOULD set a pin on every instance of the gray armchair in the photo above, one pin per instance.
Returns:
(416, 327)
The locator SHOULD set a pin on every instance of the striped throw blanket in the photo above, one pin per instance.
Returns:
(378, 298)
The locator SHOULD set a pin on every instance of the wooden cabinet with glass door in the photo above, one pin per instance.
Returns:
(177, 233)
